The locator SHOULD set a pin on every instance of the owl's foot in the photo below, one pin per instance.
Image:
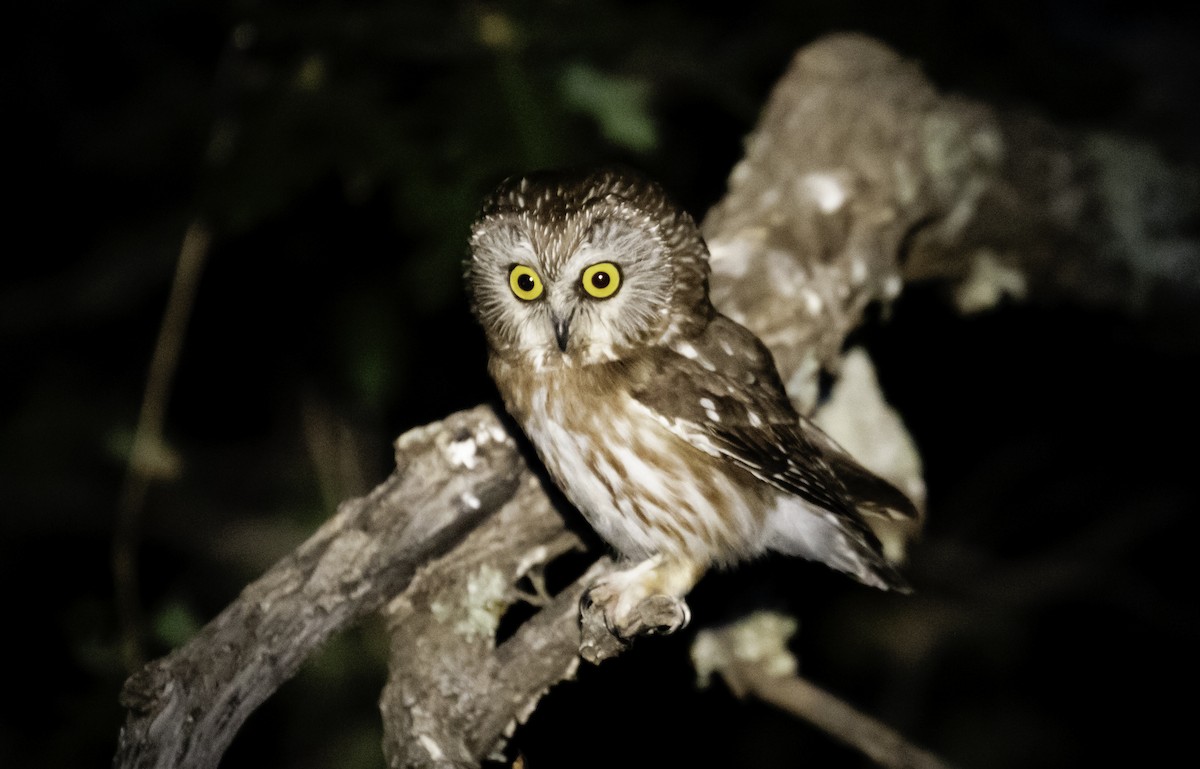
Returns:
(645, 599)
(653, 615)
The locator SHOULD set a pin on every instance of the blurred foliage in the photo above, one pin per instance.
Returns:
(338, 151)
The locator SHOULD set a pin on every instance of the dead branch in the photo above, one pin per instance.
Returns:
(752, 656)
(148, 455)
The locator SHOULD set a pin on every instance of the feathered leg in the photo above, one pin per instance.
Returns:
(646, 597)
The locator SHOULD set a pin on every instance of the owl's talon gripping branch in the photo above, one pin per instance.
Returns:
(664, 614)
(644, 599)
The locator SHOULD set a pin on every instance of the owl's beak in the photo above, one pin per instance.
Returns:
(562, 331)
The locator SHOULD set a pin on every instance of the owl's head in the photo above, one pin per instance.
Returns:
(580, 268)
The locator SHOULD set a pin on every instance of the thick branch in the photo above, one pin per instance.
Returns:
(444, 644)
(861, 177)
(184, 709)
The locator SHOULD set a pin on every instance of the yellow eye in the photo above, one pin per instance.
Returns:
(602, 280)
(524, 282)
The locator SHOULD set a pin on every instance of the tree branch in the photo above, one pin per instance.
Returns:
(185, 708)
(752, 656)
(860, 177)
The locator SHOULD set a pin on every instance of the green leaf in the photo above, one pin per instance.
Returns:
(174, 624)
(620, 105)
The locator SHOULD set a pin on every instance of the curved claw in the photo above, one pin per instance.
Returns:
(653, 615)
(644, 599)
(664, 614)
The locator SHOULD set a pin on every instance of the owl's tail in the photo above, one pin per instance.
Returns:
(840, 541)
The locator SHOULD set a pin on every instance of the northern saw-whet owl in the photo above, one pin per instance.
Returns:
(663, 421)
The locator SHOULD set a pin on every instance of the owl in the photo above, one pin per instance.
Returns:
(664, 422)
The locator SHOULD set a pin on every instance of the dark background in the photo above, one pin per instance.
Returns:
(338, 152)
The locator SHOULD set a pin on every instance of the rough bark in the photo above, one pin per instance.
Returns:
(185, 708)
(444, 644)
(860, 177)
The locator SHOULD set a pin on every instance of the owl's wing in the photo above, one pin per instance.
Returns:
(722, 394)
(872, 494)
